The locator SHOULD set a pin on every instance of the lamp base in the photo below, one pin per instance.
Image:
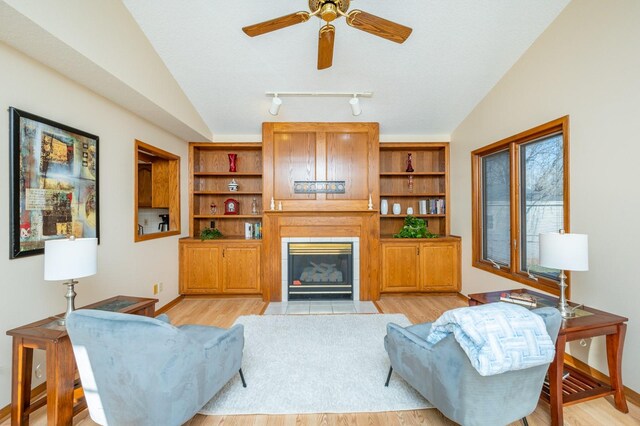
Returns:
(565, 310)
(70, 296)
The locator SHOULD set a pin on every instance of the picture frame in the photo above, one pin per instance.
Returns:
(54, 183)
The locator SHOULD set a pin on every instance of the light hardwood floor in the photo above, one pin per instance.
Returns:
(223, 312)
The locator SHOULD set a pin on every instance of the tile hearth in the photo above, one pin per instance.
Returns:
(320, 307)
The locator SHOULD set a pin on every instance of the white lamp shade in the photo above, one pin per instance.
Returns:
(568, 252)
(70, 258)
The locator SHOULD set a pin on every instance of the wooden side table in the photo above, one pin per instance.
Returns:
(64, 396)
(578, 386)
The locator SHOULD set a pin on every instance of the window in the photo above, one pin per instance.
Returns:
(520, 190)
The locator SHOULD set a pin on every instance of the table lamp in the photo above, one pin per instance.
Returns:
(566, 252)
(68, 259)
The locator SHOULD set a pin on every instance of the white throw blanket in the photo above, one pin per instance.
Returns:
(497, 337)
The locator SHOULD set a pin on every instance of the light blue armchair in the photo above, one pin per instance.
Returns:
(443, 374)
(141, 371)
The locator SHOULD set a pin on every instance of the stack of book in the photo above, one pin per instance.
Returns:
(520, 299)
(436, 206)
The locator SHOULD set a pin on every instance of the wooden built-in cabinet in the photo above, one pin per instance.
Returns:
(144, 185)
(209, 184)
(231, 265)
(290, 152)
(154, 183)
(430, 181)
(320, 152)
(420, 265)
(220, 267)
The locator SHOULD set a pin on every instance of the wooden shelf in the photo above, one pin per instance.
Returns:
(225, 239)
(430, 180)
(227, 193)
(226, 174)
(210, 176)
(227, 216)
(427, 195)
(412, 173)
(421, 216)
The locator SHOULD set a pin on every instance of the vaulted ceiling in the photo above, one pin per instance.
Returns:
(458, 51)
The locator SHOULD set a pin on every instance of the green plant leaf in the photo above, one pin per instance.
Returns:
(414, 227)
(210, 234)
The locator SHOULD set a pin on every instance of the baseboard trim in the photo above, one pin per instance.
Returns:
(462, 297)
(169, 305)
(631, 395)
(36, 393)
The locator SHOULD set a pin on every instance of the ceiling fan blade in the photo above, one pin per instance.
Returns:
(378, 26)
(325, 46)
(276, 24)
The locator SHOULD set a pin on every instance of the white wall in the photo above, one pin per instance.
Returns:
(124, 267)
(586, 65)
(98, 44)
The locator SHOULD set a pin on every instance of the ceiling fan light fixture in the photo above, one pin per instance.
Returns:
(356, 109)
(276, 103)
(329, 12)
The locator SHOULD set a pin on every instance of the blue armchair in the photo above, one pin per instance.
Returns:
(443, 374)
(137, 370)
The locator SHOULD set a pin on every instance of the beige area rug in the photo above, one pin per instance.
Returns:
(315, 364)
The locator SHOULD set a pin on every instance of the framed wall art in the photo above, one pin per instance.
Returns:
(54, 183)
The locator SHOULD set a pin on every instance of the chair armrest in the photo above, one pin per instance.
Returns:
(401, 335)
(235, 332)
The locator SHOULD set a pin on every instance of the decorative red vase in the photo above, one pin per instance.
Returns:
(232, 162)
(409, 165)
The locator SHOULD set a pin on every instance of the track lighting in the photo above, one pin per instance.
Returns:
(354, 102)
(276, 102)
(356, 109)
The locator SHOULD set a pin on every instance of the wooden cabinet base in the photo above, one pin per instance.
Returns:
(220, 267)
(420, 265)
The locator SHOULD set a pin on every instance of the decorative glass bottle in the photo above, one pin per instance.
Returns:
(233, 162)
(409, 165)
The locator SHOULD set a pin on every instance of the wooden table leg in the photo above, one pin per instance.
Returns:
(615, 344)
(555, 382)
(21, 380)
(60, 378)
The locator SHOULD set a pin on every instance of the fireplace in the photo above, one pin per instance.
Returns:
(320, 270)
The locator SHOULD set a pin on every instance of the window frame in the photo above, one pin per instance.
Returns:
(513, 144)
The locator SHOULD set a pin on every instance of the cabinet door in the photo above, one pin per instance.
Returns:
(400, 267)
(440, 266)
(144, 185)
(241, 268)
(161, 183)
(201, 269)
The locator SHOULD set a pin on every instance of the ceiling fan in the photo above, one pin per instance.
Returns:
(329, 10)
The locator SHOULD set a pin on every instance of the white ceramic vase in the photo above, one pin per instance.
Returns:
(396, 208)
(409, 210)
(384, 207)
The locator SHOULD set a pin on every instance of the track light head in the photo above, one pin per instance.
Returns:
(276, 102)
(355, 106)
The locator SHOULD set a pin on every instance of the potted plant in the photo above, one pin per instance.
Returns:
(210, 234)
(414, 227)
